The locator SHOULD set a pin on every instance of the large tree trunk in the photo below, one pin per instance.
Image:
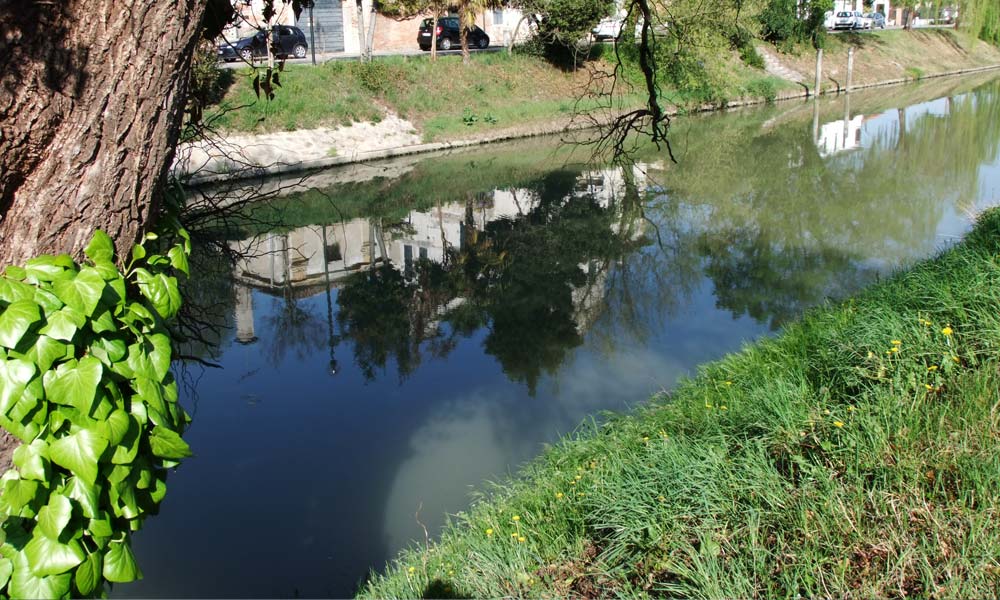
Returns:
(91, 105)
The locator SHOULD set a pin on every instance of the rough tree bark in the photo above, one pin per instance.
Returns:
(91, 106)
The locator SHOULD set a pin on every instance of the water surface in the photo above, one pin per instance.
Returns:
(397, 333)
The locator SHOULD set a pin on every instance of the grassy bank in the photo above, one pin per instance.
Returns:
(893, 54)
(855, 455)
(501, 93)
(443, 99)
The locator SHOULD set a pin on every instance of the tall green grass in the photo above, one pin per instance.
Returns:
(855, 455)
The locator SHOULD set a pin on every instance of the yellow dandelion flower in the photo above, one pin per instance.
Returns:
(729, 383)
(928, 386)
(838, 423)
(645, 439)
(897, 342)
(516, 518)
(412, 570)
(932, 368)
(707, 405)
(947, 330)
(580, 494)
(723, 407)
(850, 409)
(521, 539)
(662, 499)
(956, 359)
(451, 573)
(559, 495)
(572, 482)
(489, 531)
(513, 535)
(894, 349)
(579, 477)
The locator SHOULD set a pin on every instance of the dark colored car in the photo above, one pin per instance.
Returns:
(448, 35)
(285, 41)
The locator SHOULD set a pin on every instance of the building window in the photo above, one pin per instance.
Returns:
(498, 17)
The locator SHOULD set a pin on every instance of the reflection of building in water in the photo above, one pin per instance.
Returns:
(840, 136)
(306, 261)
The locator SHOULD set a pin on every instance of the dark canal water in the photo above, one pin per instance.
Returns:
(398, 333)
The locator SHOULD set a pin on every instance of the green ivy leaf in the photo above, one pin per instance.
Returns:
(86, 495)
(75, 384)
(54, 517)
(15, 321)
(49, 268)
(151, 392)
(51, 557)
(6, 568)
(103, 321)
(12, 291)
(140, 362)
(47, 351)
(25, 584)
(159, 490)
(79, 452)
(88, 574)
(127, 449)
(108, 350)
(160, 290)
(14, 377)
(167, 444)
(49, 302)
(119, 564)
(100, 249)
(82, 292)
(100, 525)
(63, 324)
(159, 356)
(115, 426)
(178, 259)
(32, 460)
(18, 495)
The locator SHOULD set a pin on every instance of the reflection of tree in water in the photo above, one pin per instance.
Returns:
(516, 277)
(780, 227)
(770, 283)
(293, 329)
(388, 314)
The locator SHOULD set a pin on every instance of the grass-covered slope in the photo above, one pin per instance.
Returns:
(893, 54)
(855, 455)
(444, 99)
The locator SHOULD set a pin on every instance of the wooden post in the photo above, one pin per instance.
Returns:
(817, 89)
(850, 67)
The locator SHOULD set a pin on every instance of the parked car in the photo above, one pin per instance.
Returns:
(877, 20)
(449, 34)
(861, 21)
(608, 29)
(285, 41)
(844, 20)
